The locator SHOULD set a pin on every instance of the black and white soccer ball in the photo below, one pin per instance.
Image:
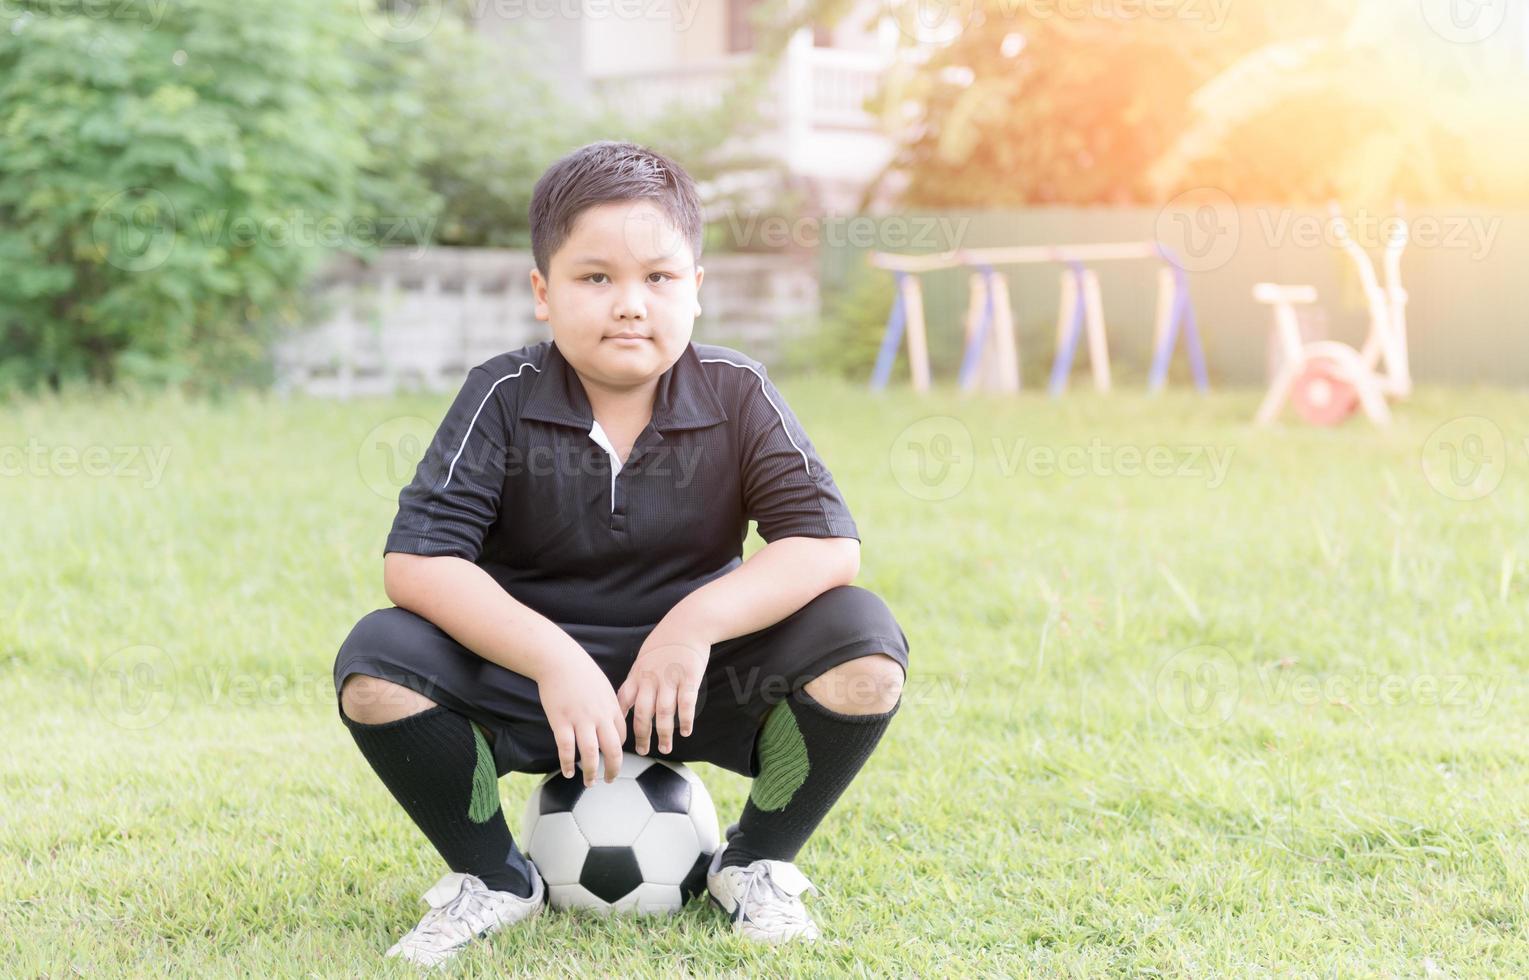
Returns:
(640, 844)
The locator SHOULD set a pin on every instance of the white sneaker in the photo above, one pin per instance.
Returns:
(463, 908)
(762, 898)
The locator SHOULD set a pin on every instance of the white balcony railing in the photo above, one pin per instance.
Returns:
(841, 83)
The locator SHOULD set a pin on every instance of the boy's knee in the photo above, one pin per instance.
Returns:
(364, 697)
(850, 613)
(859, 611)
(374, 701)
(866, 685)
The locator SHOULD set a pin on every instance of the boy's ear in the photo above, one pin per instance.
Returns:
(539, 293)
(700, 273)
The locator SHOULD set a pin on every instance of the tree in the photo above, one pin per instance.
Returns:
(485, 143)
(1023, 109)
(1386, 109)
(169, 174)
(1293, 102)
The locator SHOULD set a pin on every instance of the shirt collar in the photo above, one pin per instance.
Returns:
(684, 399)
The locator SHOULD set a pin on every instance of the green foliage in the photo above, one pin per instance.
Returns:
(476, 142)
(172, 174)
(484, 143)
(850, 330)
(168, 176)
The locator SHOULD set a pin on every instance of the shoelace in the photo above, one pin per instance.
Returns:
(767, 904)
(451, 921)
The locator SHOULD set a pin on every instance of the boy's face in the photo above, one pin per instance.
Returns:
(620, 294)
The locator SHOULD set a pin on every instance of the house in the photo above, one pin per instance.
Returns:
(649, 55)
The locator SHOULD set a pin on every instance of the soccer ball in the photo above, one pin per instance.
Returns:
(639, 844)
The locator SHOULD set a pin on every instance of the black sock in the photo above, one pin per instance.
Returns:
(439, 768)
(808, 754)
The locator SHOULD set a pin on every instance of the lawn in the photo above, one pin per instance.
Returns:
(1187, 698)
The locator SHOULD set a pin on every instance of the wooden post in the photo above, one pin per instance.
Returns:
(918, 343)
(1098, 344)
(1003, 335)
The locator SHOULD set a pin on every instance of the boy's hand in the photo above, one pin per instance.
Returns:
(584, 715)
(664, 681)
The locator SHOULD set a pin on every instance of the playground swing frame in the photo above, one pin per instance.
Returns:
(990, 354)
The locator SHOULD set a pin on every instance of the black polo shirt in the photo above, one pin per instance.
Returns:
(517, 481)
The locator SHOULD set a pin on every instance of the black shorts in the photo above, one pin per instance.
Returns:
(745, 676)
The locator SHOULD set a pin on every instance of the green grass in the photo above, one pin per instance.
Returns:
(1139, 735)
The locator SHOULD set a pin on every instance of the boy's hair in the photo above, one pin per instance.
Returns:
(606, 171)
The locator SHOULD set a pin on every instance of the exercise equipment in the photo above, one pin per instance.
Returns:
(1326, 381)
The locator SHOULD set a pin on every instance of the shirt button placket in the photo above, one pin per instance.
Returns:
(618, 512)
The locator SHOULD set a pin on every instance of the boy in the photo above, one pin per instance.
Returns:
(569, 552)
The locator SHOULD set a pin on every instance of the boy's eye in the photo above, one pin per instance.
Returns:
(663, 276)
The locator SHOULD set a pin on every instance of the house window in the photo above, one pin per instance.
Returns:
(740, 30)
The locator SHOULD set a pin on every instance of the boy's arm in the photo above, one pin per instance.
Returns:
(468, 605)
(662, 688)
(773, 583)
